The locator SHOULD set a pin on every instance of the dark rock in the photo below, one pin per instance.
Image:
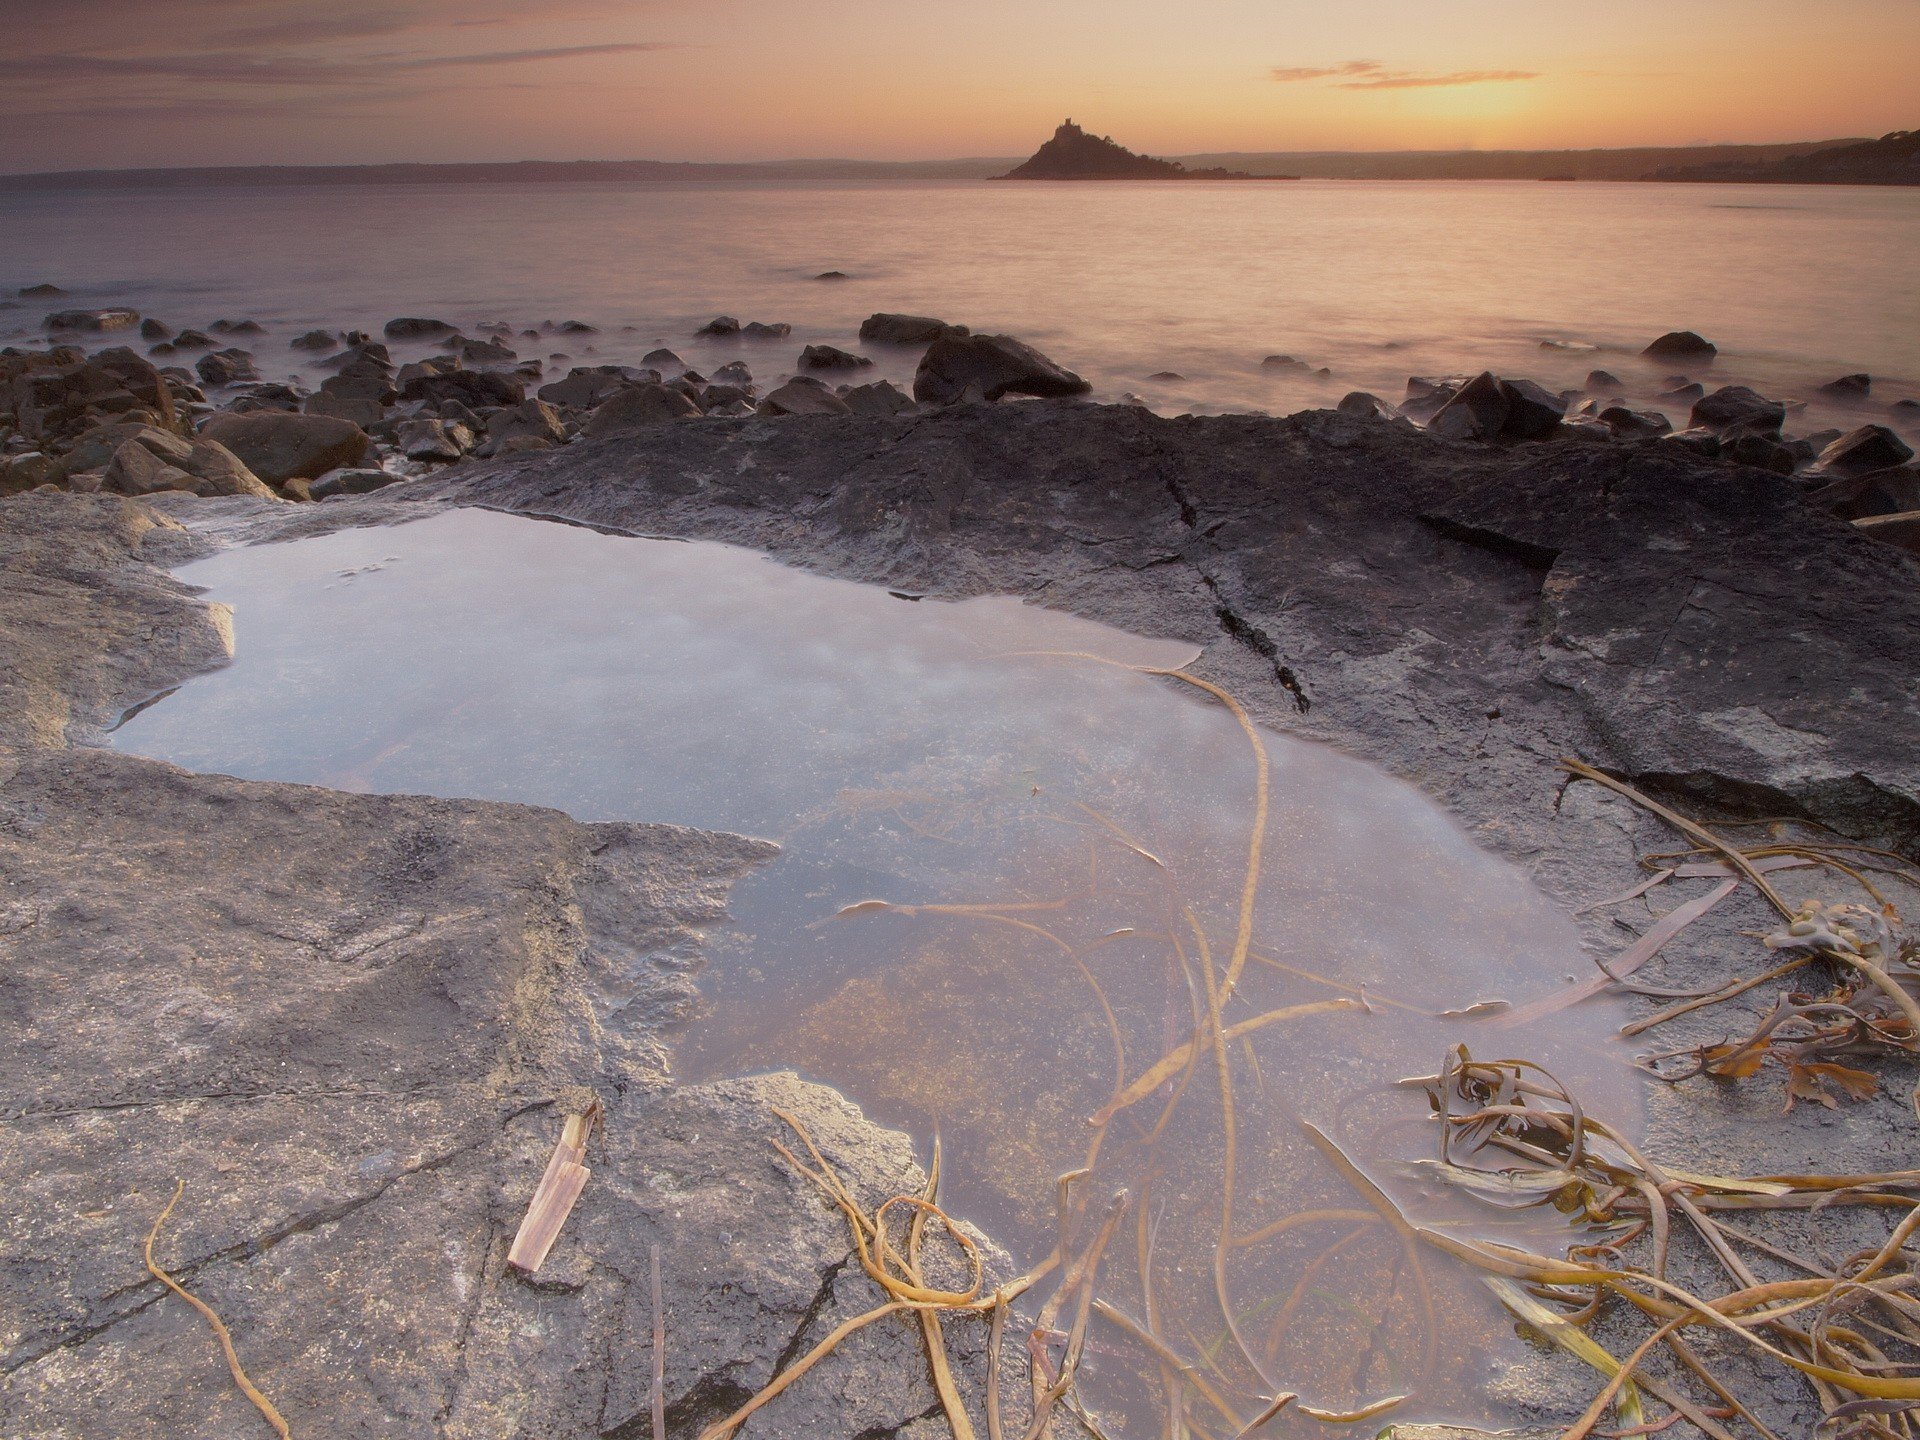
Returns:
(56, 396)
(367, 381)
(262, 396)
(720, 396)
(429, 441)
(362, 411)
(415, 327)
(40, 292)
(755, 330)
(1750, 447)
(93, 320)
(529, 420)
(1629, 424)
(888, 329)
(831, 357)
(279, 447)
(192, 340)
(1905, 407)
(359, 351)
(1600, 382)
(1477, 411)
(236, 327)
(1900, 530)
(1364, 406)
(1735, 408)
(1862, 451)
(1165, 377)
(226, 367)
(481, 352)
(1849, 387)
(734, 372)
(577, 327)
(1283, 362)
(720, 325)
(958, 367)
(589, 386)
(1702, 442)
(314, 340)
(637, 407)
(1683, 394)
(1584, 428)
(479, 389)
(135, 470)
(833, 275)
(797, 397)
(1681, 345)
(1893, 491)
(151, 329)
(665, 361)
(349, 482)
(882, 397)
(1532, 410)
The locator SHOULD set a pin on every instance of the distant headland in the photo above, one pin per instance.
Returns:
(1073, 154)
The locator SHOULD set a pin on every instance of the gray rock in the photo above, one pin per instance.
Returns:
(136, 470)
(588, 386)
(1601, 382)
(1630, 424)
(882, 397)
(314, 340)
(481, 352)
(1363, 406)
(151, 329)
(757, 330)
(1702, 442)
(364, 412)
(415, 327)
(638, 407)
(40, 292)
(989, 366)
(529, 420)
(226, 367)
(736, 373)
(428, 441)
(1477, 411)
(359, 481)
(888, 329)
(1894, 491)
(279, 447)
(1736, 408)
(112, 318)
(1681, 345)
(797, 397)
(1750, 447)
(663, 360)
(480, 389)
(720, 325)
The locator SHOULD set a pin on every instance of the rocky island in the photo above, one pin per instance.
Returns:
(1074, 154)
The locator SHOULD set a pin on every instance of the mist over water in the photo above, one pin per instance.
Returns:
(1375, 281)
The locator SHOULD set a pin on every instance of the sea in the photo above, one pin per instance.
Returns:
(1183, 296)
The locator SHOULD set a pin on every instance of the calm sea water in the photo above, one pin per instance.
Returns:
(1374, 281)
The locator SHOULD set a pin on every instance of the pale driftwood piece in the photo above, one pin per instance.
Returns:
(560, 1186)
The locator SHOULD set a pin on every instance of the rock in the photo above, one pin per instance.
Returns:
(888, 329)
(1901, 530)
(428, 441)
(481, 352)
(1681, 345)
(1478, 411)
(1862, 451)
(720, 325)
(479, 389)
(192, 340)
(1283, 362)
(226, 367)
(236, 327)
(1736, 408)
(113, 318)
(279, 447)
(1905, 407)
(990, 366)
(415, 327)
(1750, 447)
(588, 386)
(755, 330)
(1584, 428)
(25, 472)
(734, 372)
(136, 470)
(833, 275)
(221, 472)
(577, 327)
(359, 351)
(831, 357)
(529, 420)
(1364, 406)
(61, 394)
(1849, 387)
(882, 397)
(796, 397)
(1427, 393)
(637, 407)
(1893, 491)
(153, 330)
(1601, 382)
(725, 395)
(1698, 441)
(663, 360)
(1166, 377)
(349, 482)
(314, 340)
(364, 412)
(364, 381)
(265, 397)
(1630, 424)
(1682, 394)
(1532, 410)
(40, 292)
(93, 449)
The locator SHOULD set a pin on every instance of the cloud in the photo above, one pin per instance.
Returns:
(1372, 75)
(238, 68)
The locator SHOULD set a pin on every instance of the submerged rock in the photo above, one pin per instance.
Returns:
(987, 367)
(113, 318)
(831, 357)
(720, 325)
(1681, 345)
(1630, 424)
(1849, 387)
(755, 330)
(226, 367)
(889, 329)
(480, 389)
(588, 386)
(1736, 408)
(416, 327)
(314, 340)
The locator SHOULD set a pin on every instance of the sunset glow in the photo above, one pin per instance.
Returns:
(130, 82)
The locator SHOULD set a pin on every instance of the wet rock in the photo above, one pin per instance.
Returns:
(226, 367)
(720, 325)
(1849, 387)
(734, 372)
(56, 396)
(1905, 407)
(1166, 377)
(637, 407)
(890, 329)
(756, 330)
(531, 419)
(1902, 530)
(417, 327)
(359, 351)
(366, 380)
(236, 327)
(314, 340)
(833, 275)
(1681, 345)
(882, 397)
(988, 367)
(663, 360)
(265, 396)
(1283, 362)
(1532, 410)
(831, 357)
(40, 292)
(1602, 382)
(428, 441)
(577, 327)
(136, 470)
(364, 412)
(1477, 411)
(192, 340)
(279, 447)
(1893, 491)
(113, 318)
(349, 482)
(1587, 429)
(796, 397)
(481, 352)
(479, 389)
(1682, 394)
(1862, 451)
(151, 329)
(1364, 406)
(1697, 441)
(1735, 408)
(1749, 447)
(588, 386)
(1427, 393)
(1630, 424)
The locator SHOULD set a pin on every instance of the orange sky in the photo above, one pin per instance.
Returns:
(154, 82)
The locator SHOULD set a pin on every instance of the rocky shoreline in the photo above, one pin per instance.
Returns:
(318, 1009)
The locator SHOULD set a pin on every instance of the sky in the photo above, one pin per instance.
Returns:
(110, 83)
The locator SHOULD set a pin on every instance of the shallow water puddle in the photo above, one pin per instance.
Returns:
(1061, 844)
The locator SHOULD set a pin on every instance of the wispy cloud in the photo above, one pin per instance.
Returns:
(240, 68)
(1372, 75)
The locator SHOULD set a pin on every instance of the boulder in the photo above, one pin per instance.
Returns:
(153, 330)
(1681, 345)
(724, 395)
(1532, 410)
(734, 372)
(637, 407)
(226, 367)
(1602, 382)
(279, 447)
(888, 329)
(481, 352)
(1883, 492)
(155, 461)
(1478, 411)
(1762, 452)
(218, 471)
(136, 470)
(882, 397)
(797, 397)
(478, 389)
(589, 386)
(314, 340)
(96, 447)
(349, 482)
(720, 325)
(265, 397)
(192, 340)
(1284, 362)
(1427, 393)
(415, 327)
(113, 318)
(530, 419)
(1630, 424)
(367, 381)
(1902, 530)
(577, 327)
(989, 366)
(1736, 408)
(19, 473)
(1849, 387)
(364, 412)
(64, 393)
(1698, 441)
(236, 327)
(755, 330)
(1863, 451)
(1365, 406)
(40, 292)
(832, 357)
(429, 441)
(1686, 394)
(359, 351)
(663, 360)
(833, 275)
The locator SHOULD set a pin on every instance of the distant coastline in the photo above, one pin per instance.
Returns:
(1729, 163)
